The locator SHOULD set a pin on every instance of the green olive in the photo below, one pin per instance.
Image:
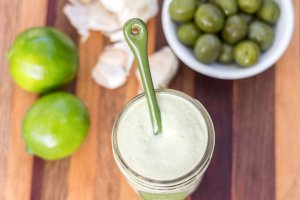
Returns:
(182, 10)
(209, 18)
(262, 34)
(246, 17)
(188, 33)
(226, 55)
(235, 29)
(269, 12)
(246, 53)
(207, 48)
(229, 7)
(249, 6)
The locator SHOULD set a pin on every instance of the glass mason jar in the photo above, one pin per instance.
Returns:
(176, 189)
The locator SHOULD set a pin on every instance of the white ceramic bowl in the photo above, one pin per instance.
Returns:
(284, 32)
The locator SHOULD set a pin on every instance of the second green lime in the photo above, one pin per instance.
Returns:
(55, 126)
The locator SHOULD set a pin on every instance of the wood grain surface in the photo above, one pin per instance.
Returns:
(257, 122)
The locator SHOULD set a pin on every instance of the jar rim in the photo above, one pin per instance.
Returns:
(201, 165)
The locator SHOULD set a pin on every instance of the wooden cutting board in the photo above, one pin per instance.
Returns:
(257, 122)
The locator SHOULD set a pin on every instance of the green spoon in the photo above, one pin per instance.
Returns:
(136, 35)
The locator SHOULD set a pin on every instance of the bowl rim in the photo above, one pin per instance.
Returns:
(241, 73)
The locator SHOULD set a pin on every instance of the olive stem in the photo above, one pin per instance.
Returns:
(136, 35)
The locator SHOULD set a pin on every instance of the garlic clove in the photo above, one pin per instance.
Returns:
(114, 6)
(113, 66)
(107, 16)
(150, 10)
(77, 15)
(86, 1)
(90, 16)
(116, 36)
(129, 55)
(100, 19)
(109, 76)
(163, 66)
(143, 9)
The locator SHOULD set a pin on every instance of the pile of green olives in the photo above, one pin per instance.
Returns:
(226, 31)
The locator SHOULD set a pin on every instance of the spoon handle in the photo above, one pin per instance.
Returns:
(136, 35)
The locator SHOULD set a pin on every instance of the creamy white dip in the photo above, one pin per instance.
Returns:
(170, 155)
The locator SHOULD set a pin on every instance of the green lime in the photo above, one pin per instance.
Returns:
(55, 126)
(42, 59)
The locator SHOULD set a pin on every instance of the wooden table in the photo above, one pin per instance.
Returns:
(257, 122)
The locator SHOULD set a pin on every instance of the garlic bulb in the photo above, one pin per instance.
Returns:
(107, 16)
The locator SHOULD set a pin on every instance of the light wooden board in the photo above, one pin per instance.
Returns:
(287, 111)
